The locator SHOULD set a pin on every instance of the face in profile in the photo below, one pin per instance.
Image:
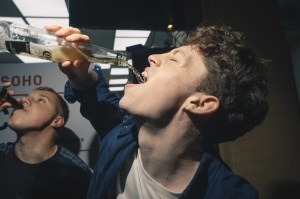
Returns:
(171, 78)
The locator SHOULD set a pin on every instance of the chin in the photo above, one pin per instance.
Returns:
(14, 124)
(125, 102)
(128, 106)
(13, 127)
(121, 103)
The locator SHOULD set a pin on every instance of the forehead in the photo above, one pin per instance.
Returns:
(46, 94)
(189, 53)
(188, 49)
(194, 60)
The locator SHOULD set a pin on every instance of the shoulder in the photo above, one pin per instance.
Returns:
(225, 183)
(6, 147)
(70, 160)
(233, 186)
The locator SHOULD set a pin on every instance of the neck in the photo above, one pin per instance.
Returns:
(34, 148)
(171, 154)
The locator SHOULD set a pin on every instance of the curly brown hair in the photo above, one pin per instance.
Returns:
(236, 76)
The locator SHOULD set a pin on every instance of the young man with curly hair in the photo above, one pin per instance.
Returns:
(158, 140)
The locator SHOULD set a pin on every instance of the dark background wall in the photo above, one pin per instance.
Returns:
(269, 155)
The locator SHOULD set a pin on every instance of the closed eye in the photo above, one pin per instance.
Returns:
(172, 58)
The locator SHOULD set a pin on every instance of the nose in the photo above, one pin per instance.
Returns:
(154, 60)
(25, 101)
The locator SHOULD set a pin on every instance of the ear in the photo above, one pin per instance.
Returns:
(201, 104)
(58, 122)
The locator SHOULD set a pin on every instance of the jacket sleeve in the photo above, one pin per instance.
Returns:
(97, 104)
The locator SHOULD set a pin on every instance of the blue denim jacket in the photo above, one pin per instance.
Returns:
(118, 140)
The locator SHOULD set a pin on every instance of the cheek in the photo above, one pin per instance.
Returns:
(17, 118)
(18, 123)
(43, 118)
(31, 118)
(155, 97)
(162, 101)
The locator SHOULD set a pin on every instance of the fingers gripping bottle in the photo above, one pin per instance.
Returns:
(5, 97)
(36, 42)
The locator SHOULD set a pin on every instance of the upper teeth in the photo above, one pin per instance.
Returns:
(144, 74)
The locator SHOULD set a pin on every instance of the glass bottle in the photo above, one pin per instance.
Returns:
(36, 42)
(5, 97)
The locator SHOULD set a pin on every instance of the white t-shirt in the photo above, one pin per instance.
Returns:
(139, 185)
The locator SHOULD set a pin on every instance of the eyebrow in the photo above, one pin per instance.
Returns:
(40, 95)
(177, 50)
(45, 96)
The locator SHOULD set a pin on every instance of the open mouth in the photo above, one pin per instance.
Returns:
(144, 75)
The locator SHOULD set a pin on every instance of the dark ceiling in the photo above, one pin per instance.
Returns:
(290, 14)
(154, 15)
(135, 14)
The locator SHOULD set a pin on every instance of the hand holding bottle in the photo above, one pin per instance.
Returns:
(78, 69)
(6, 99)
(59, 45)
